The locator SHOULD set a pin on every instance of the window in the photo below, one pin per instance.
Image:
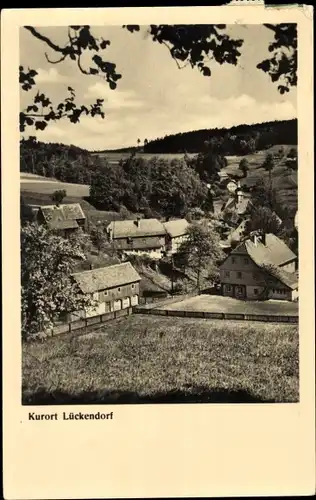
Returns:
(228, 288)
(255, 291)
(105, 293)
(233, 260)
(133, 286)
(239, 274)
(256, 276)
(246, 261)
(226, 274)
(119, 289)
(239, 289)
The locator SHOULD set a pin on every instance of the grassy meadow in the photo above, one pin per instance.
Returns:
(219, 304)
(30, 183)
(147, 359)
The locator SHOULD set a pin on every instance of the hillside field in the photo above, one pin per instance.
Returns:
(148, 359)
(30, 183)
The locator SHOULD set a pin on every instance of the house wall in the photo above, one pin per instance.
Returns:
(134, 300)
(113, 299)
(255, 292)
(127, 243)
(118, 292)
(153, 253)
(228, 290)
(280, 293)
(251, 274)
(253, 278)
(176, 242)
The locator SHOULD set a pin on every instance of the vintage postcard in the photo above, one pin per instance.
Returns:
(158, 263)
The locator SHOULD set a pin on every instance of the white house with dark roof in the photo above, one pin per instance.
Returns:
(176, 233)
(113, 288)
(140, 236)
(260, 268)
(64, 218)
(238, 201)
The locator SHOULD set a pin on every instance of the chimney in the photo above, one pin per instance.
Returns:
(254, 238)
(239, 193)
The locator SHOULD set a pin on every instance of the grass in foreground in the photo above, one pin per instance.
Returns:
(144, 359)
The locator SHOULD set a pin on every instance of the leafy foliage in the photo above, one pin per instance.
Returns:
(155, 185)
(42, 111)
(263, 219)
(200, 253)
(244, 166)
(65, 163)
(47, 290)
(58, 196)
(282, 66)
(209, 161)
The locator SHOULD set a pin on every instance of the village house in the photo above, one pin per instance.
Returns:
(238, 201)
(65, 218)
(237, 234)
(176, 233)
(113, 288)
(140, 236)
(260, 268)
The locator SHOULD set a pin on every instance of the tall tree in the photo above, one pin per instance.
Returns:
(58, 196)
(47, 289)
(244, 166)
(108, 186)
(200, 252)
(269, 165)
(264, 220)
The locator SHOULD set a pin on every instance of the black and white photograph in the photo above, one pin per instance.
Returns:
(159, 214)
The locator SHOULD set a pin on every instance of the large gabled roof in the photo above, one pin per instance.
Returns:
(62, 216)
(177, 227)
(106, 277)
(288, 279)
(136, 228)
(274, 251)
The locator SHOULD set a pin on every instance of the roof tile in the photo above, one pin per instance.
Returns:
(132, 228)
(106, 277)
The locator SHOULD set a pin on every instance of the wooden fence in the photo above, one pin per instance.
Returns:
(213, 315)
(86, 325)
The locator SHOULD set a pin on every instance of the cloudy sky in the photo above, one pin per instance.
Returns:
(154, 98)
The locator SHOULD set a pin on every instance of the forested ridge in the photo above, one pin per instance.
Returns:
(237, 140)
